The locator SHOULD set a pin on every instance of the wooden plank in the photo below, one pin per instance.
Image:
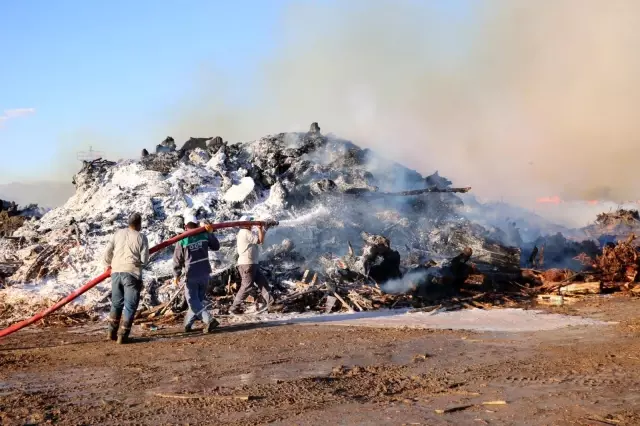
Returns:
(582, 288)
(499, 402)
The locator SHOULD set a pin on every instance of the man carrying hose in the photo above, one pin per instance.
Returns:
(192, 255)
(248, 246)
(127, 253)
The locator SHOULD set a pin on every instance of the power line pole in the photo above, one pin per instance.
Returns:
(90, 155)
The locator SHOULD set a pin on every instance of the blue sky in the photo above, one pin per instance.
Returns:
(81, 72)
(84, 65)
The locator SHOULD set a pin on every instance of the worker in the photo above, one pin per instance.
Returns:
(248, 247)
(192, 255)
(127, 253)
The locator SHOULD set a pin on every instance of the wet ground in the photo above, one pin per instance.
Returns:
(330, 374)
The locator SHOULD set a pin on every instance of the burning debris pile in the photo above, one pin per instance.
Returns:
(365, 227)
(614, 269)
(557, 251)
(612, 227)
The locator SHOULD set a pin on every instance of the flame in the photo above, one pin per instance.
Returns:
(557, 200)
(549, 200)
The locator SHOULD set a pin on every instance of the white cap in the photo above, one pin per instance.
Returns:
(247, 218)
(189, 218)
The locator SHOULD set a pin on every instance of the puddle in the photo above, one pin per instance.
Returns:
(498, 320)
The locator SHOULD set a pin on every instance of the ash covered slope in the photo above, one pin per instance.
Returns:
(318, 187)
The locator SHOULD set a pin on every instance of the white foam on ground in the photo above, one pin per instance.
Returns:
(501, 320)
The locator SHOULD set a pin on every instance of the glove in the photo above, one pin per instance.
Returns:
(208, 227)
(176, 281)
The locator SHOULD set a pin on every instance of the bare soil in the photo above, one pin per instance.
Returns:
(328, 375)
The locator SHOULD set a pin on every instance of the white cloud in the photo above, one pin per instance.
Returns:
(9, 114)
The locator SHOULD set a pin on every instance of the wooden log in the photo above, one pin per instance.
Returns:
(582, 288)
(551, 299)
(331, 301)
(343, 302)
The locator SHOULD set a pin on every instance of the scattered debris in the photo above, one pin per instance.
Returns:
(464, 407)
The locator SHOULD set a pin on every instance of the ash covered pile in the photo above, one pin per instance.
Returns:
(346, 214)
(12, 218)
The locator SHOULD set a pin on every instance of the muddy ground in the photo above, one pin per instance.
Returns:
(329, 375)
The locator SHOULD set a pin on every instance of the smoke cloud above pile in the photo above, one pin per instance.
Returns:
(517, 99)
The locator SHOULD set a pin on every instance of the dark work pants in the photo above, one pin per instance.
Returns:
(250, 274)
(195, 291)
(125, 293)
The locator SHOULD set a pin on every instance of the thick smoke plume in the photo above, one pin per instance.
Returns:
(516, 98)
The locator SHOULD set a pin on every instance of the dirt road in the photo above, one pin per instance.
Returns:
(328, 375)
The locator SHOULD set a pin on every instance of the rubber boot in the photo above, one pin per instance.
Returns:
(123, 333)
(114, 323)
(208, 327)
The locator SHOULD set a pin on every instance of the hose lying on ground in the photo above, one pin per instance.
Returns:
(97, 280)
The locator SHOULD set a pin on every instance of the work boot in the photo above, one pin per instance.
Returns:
(236, 311)
(112, 333)
(208, 327)
(187, 328)
(123, 334)
(275, 308)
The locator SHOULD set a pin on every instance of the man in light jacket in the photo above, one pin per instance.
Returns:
(127, 253)
(248, 247)
(192, 255)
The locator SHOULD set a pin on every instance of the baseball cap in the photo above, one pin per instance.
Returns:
(189, 218)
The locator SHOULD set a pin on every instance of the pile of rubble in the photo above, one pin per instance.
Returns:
(363, 224)
(356, 233)
(615, 268)
(12, 218)
(615, 226)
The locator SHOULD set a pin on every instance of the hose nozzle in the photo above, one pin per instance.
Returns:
(271, 223)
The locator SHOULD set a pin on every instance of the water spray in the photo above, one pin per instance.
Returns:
(106, 274)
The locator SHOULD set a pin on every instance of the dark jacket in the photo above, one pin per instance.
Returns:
(192, 254)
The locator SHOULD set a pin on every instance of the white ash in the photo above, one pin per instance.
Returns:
(296, 178)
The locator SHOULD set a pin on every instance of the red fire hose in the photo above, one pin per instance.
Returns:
(20, 325)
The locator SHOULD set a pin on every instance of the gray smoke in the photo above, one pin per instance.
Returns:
(402, 285)
(515, 98)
